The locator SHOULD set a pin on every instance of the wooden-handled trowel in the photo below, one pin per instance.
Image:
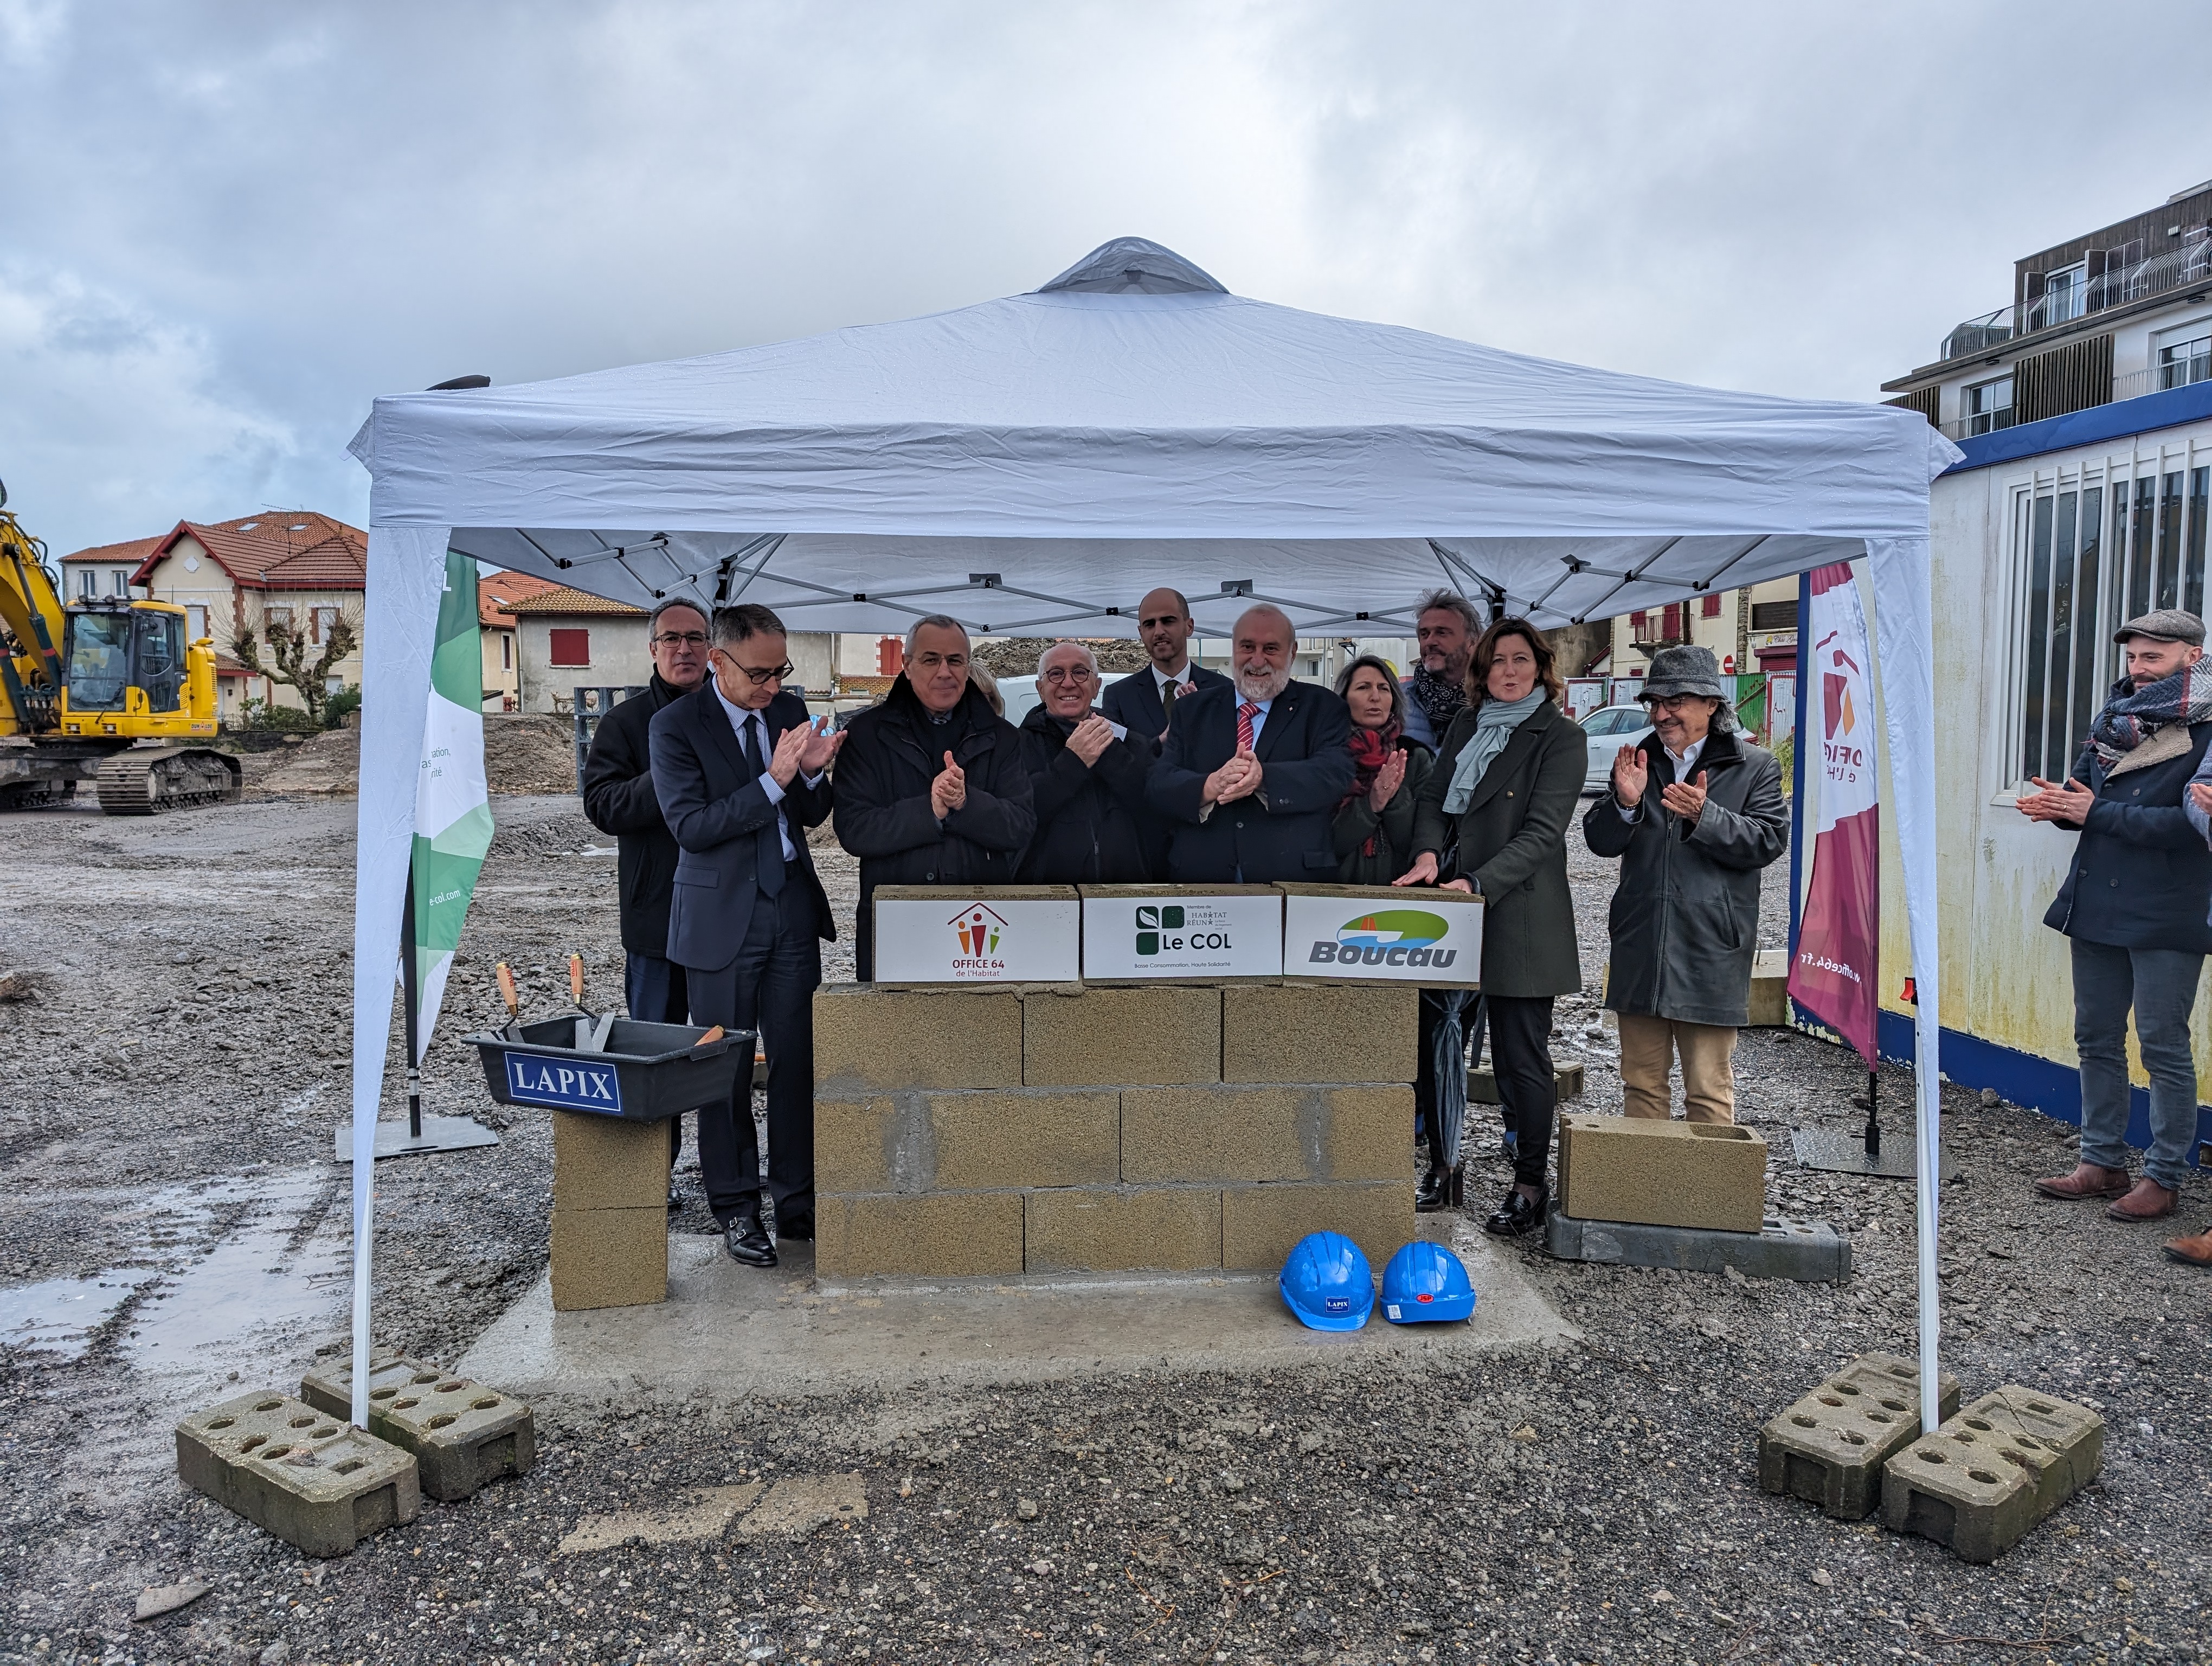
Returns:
(591, 1028)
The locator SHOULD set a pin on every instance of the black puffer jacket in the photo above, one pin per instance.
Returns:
(892, 752)
(1686, 918)
(1089, 818)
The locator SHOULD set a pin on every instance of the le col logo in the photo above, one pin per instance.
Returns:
(1161, 930)
(979, 930)
(1396, 937)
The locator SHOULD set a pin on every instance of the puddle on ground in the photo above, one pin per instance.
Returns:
(59, 1316)
(208, 1306)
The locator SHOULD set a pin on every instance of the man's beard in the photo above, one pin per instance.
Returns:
(1263, 685)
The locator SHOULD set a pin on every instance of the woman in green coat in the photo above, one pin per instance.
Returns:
(1374, 827)
(1506, 786)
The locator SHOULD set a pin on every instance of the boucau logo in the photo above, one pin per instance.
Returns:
(1395, 937)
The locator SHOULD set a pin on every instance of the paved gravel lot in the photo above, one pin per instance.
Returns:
(173, 1229)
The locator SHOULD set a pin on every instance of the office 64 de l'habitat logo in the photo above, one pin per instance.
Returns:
(980, 931)
(1395, 937)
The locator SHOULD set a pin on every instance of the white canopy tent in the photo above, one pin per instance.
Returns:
(1033, 465)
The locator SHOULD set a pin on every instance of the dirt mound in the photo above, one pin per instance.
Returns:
(522, 754)
(325, 765)
(1017, 656)
(530, 754)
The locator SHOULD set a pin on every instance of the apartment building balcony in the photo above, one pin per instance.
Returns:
(2062, 304)
(2184, 369)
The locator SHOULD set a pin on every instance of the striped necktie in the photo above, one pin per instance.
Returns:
(1245, 714)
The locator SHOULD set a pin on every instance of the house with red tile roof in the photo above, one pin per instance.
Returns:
(105, 570)
(566, 639)
(502, 663)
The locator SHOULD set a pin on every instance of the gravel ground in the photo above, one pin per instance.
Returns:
(173, 1230)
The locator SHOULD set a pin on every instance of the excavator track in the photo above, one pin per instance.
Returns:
(142, 780)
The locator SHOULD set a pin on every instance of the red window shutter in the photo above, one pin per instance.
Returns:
(890, 656)
(1670, 621)
(1712, 606)
(1639, 625)
(572, 646)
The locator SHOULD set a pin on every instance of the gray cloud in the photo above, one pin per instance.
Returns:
(229, 227)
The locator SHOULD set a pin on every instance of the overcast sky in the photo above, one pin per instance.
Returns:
(225, 229)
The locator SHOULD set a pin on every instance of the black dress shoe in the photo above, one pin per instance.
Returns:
(674, 1202)
(1518, 1214)
(1434, 1194)
(747, 1241)
(798, 1226)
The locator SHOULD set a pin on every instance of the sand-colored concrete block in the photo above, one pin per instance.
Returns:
(1639, 1170)
(1122, 1035)
(876, 1142)
(1208, 1134)
(605, 1163)
(1830, 1447)
(1318, 1032)
(1260, 1223)
(1959, 1494)
(1365, 1133)
(1566, 1083)
(610, 1257)
(1769, 989)
(1175, 1229)
(1031, 1138)
(463, 1435)
(944, 1234)
(309, 1478)
(2061, 1444)
(867, 1038)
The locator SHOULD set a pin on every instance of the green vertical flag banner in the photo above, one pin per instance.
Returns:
(452, 809)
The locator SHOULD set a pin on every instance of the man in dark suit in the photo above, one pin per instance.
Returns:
(618, 799)
(1251, 775)
(1140, 703)
(739, 767)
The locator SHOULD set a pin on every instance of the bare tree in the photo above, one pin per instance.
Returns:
(277, 646)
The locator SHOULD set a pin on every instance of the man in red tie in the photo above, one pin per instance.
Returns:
(1251, 773)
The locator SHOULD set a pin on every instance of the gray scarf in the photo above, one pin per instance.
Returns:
(1494, 725)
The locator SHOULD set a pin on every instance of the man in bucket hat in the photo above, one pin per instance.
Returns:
(2134, 906)
(1695, 812)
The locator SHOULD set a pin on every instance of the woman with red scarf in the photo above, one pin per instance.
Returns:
(1374, 827)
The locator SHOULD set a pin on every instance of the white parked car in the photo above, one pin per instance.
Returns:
(1610, 729)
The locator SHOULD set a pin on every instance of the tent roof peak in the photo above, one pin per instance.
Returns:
(1135, 266)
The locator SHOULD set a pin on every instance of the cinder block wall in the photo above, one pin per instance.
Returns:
(609, 1212)
(1061, 1127)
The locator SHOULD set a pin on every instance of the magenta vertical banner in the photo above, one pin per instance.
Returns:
(1836, 975)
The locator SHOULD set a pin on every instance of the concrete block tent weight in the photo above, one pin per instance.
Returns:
(1033, 465)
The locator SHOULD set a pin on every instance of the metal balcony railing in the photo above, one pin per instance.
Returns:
(2176, 268)
(2134, 385)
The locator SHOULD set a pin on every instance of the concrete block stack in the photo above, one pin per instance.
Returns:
(1711, 1176)
(1086, 1127)
(463, 1435)
(609, 1212)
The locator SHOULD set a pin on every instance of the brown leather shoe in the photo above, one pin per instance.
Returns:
(2148, 1201)
(2197, 1250)
(2087, 1180)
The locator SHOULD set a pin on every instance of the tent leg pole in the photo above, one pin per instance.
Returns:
(410, 975)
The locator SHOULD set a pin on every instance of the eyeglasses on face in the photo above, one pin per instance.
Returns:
(1675, 702)
(1068, 674)
(759, 674)
(688, 638)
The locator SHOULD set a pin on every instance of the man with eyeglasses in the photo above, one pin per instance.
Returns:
(1086, 780)
(1696, 812)
(739, 769)
(932, 791)
(618, 799)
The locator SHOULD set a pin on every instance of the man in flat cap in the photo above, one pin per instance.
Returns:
(2134, 906)
(1695, 814)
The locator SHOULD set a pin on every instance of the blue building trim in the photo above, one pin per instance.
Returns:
(2023, 1079)
(2120, 420)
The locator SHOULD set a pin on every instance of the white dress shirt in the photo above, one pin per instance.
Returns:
(739, 717)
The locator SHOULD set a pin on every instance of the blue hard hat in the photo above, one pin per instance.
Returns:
(1327, 1284)
(1426, 1281)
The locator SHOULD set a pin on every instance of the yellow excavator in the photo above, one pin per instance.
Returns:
(84, 684)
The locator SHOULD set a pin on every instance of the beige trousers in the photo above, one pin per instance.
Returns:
(1648, 1049)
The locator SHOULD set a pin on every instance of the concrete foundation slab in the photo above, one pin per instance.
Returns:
(729, 1331)
(1809, 1251)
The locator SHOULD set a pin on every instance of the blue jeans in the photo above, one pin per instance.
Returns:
(2160, 985)
(655, 995)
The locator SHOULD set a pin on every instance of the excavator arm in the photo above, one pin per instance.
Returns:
(31, 611)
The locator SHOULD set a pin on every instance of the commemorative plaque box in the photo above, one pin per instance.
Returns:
(1181, 933)
(1428, 938)
(942, 934)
